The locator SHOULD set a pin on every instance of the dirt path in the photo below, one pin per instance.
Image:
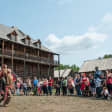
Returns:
(57, 104)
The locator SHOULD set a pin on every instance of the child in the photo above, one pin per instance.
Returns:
(38, 88)
(18, 88)
(105, 92)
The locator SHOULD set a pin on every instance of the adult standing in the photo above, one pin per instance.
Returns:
(78, 85)
(109, 81)
(8, 81)
(64, 86)
(50, 85)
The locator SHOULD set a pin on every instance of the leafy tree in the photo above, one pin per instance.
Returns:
(107, 56)
(73, 67)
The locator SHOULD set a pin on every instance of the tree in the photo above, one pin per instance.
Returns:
(73, 67)
(107, 56)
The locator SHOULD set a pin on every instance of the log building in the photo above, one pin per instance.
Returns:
(25, 56)
(90, 65)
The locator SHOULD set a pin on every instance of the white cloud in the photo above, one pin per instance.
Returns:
(93, 38)
(107, 18)
(70, 44)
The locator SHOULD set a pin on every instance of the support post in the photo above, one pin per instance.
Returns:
(3, 43)
(24, 61)
(59, 64)
(12, 58)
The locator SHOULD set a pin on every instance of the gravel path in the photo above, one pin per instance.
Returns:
(57, 104)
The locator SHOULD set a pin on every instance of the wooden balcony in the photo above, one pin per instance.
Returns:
(27, 57)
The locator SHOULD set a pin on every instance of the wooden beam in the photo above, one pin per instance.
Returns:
(38, 70)
(3, 43)
(59, 64)
(24, 61)
(12, 57)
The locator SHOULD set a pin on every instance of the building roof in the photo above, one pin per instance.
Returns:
(103, 64)
(5, 30)
(63, 73)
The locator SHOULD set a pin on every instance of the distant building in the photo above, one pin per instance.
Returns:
(63, 73)
(103, 64)
(25, 56)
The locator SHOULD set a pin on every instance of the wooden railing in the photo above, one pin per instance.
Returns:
(28, 57)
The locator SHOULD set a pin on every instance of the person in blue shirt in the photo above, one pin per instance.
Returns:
(35, 81)
(97, 73)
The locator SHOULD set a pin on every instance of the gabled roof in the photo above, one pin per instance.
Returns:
(5, 30)
(103, 64)
(63, 73)
(36, 41)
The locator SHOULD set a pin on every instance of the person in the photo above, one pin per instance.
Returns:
(8, 82)
(109, 81)
(21, 86)
(85, 85)
(58, 86)
(70, 85)
(50, 84)
(29, 86)
(2, 84)
(92, 85)
(64, 86)
(83, 79)
(98, 86)
(35, 81)
(77, 85)
(38, 88)
(45, 87)
(18, 84)
(97, 73)
(105, 93)
(25, 87)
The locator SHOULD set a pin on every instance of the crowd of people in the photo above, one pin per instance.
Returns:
(97, 84)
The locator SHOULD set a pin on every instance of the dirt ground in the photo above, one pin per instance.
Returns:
(57, 104)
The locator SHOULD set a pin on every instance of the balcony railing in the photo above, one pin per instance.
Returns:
(28, 57)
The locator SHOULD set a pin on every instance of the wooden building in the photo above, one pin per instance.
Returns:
(25, 56)
(90, 65)
(63, 73)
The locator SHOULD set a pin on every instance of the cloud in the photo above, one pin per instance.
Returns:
(107, 18)
(91, 39)
(70, 44)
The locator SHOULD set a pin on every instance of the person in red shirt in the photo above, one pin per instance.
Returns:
(85, 85)
(50, 85)
(109, 81)
(45, 87)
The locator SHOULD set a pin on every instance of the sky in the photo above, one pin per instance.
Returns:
(77, 29)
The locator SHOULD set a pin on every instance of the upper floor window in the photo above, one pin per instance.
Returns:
(27, 41)
(37, 43)
(12, 36)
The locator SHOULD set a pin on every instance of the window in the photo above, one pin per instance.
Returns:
(13, 37)
(27, 41)
(37, 45)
